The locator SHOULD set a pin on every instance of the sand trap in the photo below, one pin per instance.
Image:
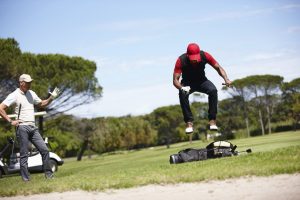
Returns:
(281, 187)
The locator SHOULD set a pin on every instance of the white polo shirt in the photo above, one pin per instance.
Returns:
(27, 100)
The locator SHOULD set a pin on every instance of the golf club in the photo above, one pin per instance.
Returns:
(16, 129)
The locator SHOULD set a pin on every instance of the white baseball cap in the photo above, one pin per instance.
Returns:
(26, 78)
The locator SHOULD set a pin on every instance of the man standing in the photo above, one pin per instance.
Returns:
(24, 100)
(190, 67)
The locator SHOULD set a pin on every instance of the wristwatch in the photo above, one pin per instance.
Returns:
(10, 121)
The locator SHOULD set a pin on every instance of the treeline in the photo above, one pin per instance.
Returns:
(258, 105)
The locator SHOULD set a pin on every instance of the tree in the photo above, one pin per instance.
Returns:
(259, 105)
(63, 134)
(262, 90)
(230, 117)
(291, 100)
(166, 121)
(75, 76)
(240, 89)
(269, 85)
(10, 54)
(86, 128)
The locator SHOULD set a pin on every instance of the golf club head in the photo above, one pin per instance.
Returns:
(249, 151)
(10, 140)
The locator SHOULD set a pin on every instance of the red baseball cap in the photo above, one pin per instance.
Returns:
(193, 52)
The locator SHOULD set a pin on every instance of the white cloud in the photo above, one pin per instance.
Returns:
(163, 23)
(294, 29)
(264, 56)
(130, 25)
(291, 6)
(126, 65)
(243, 13)
(284, 63)
(129, 40)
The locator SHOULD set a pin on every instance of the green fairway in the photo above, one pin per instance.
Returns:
(272, 154)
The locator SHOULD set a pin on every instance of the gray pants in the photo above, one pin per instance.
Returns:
(26, 133)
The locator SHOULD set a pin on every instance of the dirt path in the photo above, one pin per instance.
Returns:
(285, 187)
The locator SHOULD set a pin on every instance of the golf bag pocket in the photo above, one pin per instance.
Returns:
(188, 155)
(220, 149)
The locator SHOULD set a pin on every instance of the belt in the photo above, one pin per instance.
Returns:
(27, 124)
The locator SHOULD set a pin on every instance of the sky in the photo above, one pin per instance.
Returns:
(136, 43)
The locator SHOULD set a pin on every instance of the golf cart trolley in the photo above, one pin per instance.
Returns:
(35, 164)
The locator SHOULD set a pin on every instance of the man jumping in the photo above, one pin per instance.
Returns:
(24, 100)
(190, 67)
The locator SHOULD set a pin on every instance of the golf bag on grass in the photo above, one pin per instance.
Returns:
(213, 150)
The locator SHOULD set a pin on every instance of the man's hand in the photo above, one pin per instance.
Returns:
(227, 83)
(185, 89)
(54, 93)
(15, 122)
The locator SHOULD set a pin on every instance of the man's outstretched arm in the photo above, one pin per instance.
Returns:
(46, 102)
(222, 73)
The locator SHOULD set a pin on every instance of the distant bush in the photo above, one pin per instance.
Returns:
(255, 132)
(283, 128)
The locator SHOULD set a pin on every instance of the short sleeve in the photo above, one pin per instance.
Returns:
(178, 67)
(36, 99)
(10, 99)
(210, 59)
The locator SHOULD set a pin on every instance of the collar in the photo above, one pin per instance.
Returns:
(21, 92)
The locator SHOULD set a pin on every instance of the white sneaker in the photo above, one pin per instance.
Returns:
(213, 127)
(189, 130)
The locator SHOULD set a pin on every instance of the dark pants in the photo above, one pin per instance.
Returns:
(25, 134)
(206, 87)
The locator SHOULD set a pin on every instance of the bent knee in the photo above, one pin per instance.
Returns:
(213, 92)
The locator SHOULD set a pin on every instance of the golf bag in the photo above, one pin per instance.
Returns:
(213, 150)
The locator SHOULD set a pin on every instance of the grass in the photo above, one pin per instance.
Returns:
(272, 154)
